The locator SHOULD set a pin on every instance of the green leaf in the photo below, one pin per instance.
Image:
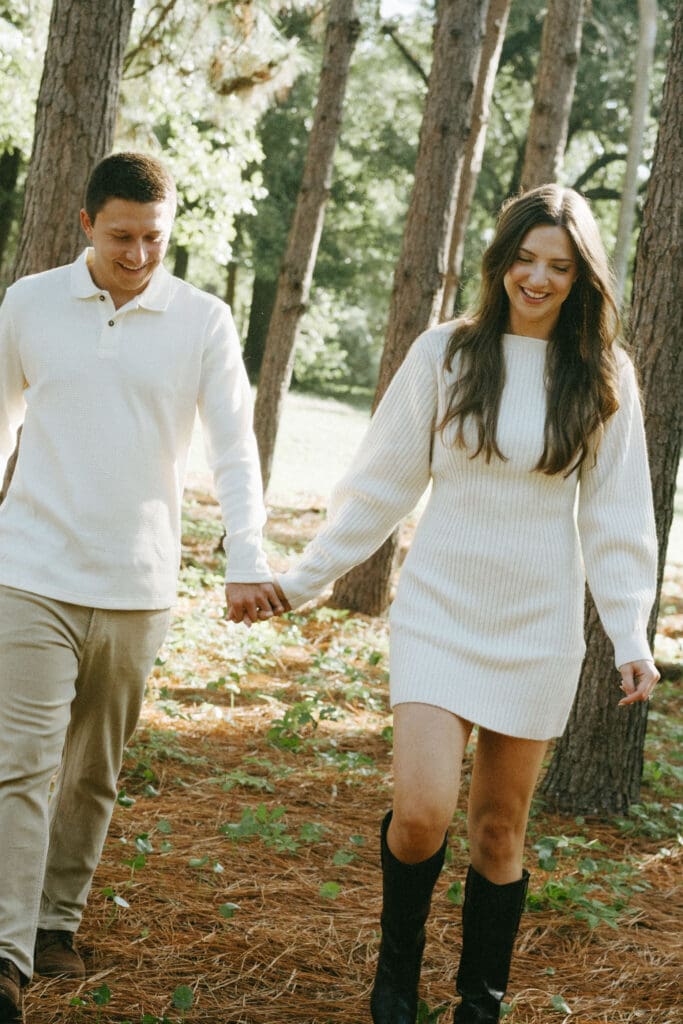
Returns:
(227, 910)
(101, 996)
(454, 893)
(311, 832)
(198, 862)
(183, 997)
(143, 844)
(559, 1003)
(123, 800)
(329, 890)
(343, 857)
(164, 827)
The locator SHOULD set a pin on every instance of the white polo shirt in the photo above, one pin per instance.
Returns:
(108, 400)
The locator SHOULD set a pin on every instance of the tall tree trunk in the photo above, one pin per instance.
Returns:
(496, 22)
(553, 92)
(231, 283)
(647, 34)
(181, 262)
(10, 163)
(597, 764)
(75, 120)
(263, 294)
(296, 273)
(419, 278)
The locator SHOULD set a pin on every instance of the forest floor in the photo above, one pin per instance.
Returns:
(239, 883)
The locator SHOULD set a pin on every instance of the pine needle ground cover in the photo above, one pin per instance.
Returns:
(239, 883)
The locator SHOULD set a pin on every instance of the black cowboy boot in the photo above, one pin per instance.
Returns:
(407, 892)
(490, 919)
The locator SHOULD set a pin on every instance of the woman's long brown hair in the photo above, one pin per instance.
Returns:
(581, 369)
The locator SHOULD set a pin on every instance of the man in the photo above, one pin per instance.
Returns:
(105, 362)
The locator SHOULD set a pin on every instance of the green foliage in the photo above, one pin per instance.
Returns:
(300, 721)
(267, 825)
(654, 820)
(23, 36)
(239, 777)
(427, 1016)
(228, 910)
(183, 997)
(597, 891)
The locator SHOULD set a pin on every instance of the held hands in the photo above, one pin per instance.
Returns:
(638, 680)
(254, 602)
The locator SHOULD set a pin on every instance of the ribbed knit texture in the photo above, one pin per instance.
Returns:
(108, 399)
(488, 616)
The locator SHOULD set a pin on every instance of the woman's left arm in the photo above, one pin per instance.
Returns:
(618, 538)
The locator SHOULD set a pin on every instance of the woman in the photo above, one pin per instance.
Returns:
(510, 413)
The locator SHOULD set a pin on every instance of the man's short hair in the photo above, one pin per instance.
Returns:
(133, 176)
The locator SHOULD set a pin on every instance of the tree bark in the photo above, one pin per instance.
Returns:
(496, 22)
(10, 163)
(296, 273)
(419, 278)
(597, 764)
(553, 92)
(647, 11)
(74, 129)
(263, 295)
(181, 262)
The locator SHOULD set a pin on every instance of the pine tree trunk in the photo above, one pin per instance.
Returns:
(597, 764)
(553, 92)
(10, 163)
(647, 35)
(181, 262)
(263, 295)
(496, 22)
(296, 273)
(75, 120)
(419, 278)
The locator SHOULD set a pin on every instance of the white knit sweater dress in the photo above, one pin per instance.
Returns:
(488, 616)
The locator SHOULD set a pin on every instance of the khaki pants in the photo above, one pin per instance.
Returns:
(72, 681)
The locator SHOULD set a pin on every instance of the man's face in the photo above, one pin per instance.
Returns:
(129, 241)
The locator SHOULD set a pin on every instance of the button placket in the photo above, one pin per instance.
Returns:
(108, 347)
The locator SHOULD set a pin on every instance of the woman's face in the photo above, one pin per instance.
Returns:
(539, 281)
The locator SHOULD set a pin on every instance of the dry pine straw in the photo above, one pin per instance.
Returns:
(289, 956)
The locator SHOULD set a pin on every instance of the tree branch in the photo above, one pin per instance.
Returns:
(598, 164)
(392, 32)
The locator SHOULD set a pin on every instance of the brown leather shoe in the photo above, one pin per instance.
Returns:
(56, 955)
(11, 983)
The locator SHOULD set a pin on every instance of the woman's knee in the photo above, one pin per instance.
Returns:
(496, 839)
(418, 830)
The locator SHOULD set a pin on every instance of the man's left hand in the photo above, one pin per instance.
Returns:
(252, 602)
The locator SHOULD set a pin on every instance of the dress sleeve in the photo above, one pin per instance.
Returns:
(389, 474)
(12, 403)
(617, 527)
(226, 413)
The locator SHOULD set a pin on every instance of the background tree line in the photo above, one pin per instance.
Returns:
(338, 174)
